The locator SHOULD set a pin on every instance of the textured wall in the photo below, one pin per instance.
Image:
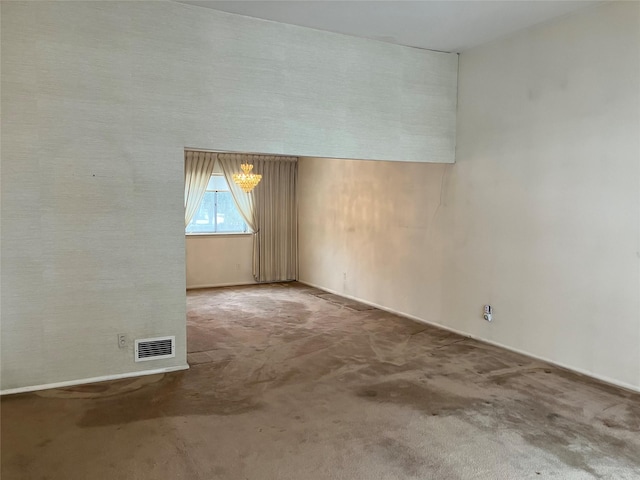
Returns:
(99, 99)
(539, 215)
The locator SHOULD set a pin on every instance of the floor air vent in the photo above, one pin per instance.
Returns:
(155, 348)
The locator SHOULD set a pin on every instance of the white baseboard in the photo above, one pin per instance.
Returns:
(216, 285)
(81, 381)
(601, 378)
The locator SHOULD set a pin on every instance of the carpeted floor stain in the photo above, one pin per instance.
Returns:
(286, 382)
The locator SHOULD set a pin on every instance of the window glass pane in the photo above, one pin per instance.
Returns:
(229, 219)
(217, 182)
(203, 221)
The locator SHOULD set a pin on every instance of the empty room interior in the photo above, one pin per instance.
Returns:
(320, 240)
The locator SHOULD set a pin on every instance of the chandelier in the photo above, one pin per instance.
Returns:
(246, 180)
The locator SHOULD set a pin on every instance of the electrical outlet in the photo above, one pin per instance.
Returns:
(488, 313)
(122, 340)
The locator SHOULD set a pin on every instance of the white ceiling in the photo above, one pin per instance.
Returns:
(450, 26)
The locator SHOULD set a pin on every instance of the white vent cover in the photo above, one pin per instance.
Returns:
(155, 348)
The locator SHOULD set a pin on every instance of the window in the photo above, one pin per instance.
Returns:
(217, 212)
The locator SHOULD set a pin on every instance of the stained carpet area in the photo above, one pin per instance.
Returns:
(289, 382)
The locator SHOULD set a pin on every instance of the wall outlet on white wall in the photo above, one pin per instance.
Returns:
(122, 340)
(488, 313)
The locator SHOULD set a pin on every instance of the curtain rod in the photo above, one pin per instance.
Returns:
(188, 149)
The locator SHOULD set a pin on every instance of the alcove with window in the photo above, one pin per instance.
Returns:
(234, 237)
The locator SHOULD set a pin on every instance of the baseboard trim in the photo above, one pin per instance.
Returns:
(81, 381)
(216, 285)
(600, 378)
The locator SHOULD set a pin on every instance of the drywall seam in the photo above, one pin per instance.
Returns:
(82, 381)
(579, 371)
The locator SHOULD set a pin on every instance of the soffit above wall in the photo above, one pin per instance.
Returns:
(448, 26)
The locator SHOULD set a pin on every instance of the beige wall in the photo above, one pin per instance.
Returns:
(545, 197)
(366, 229)
(219, 260)
(99, 99)
(539, 216)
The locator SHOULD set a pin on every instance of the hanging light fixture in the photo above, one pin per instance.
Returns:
(246, 180)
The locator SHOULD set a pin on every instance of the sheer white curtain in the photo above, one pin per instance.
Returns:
(245, 203)
(230, 164)
(198, 167)
(273, 207)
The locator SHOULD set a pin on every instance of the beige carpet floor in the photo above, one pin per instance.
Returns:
(290, 383)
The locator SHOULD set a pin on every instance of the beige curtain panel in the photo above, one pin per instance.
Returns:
(198, 167)
(230, 164)
(274, 213)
